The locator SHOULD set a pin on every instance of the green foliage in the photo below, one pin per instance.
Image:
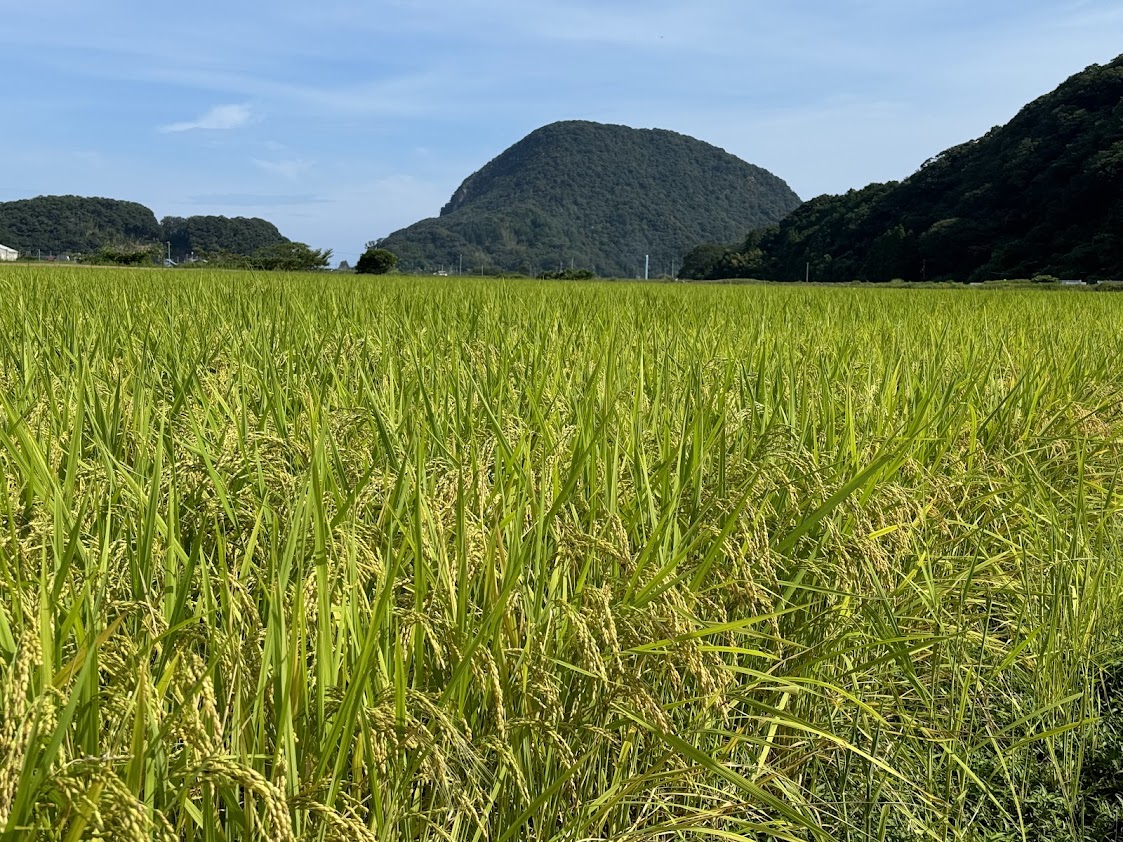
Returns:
(289, 257)
(131, 254)
(711, 261)
(1042, 195)
(567, 275)
(283, 257)
(376, 261)
(218, 234)
(599, 196)
(707, 261)
(74, 224)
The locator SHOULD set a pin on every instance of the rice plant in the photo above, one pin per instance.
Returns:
(311, 557)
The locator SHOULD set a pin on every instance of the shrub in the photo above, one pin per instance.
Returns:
(376, 261)
(568, 275)
(130, 254)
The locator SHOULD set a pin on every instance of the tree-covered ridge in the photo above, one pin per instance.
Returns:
(81, 225)
(61, 224)
(1041, 195)
(598, 197)
(215, 234)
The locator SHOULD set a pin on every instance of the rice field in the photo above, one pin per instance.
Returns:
(335, 558)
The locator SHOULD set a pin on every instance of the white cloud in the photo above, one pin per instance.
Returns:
(219, 118)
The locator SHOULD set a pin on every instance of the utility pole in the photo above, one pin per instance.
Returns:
(646, 266)
(169, 251)
(460, 271)
(807, 279)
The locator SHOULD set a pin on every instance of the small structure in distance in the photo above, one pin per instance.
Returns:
(7, 254)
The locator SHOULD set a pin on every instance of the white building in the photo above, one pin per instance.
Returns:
(7, 253)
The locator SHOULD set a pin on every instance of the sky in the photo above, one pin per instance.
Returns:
(341, 122)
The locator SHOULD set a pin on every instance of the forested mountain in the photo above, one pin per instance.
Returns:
(80, 225)
(58, 224)
(1040, 195)
(594, 197)
(213, 234)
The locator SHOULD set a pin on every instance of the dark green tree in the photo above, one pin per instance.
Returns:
(290, 257)
(127, 254)
(568, 275)
(705, 262)
(376, 261)
(893, 255)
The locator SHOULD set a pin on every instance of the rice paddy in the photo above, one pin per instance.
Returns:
(329, 557)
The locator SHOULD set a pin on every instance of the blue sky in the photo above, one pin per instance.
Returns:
(342, 122)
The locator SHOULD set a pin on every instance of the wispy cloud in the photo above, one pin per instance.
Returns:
(409, 94)
(219, 118)
(290, 169)
(256, 200)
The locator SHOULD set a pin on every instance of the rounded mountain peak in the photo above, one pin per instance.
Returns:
(570, 155)
(595, 196)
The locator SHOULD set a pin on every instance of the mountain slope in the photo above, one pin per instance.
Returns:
(594, 196)
(214, 234)
(1041, 195)
(81, 225)
(59, 224)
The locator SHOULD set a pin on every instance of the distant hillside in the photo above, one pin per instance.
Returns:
(594, 197)
(58, 224)
(212, 234)
(80, 225)
(1040, 195)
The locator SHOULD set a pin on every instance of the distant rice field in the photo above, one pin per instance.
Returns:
(333, 557)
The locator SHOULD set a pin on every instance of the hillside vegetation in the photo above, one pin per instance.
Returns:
(214, 234)
(596, 197)
(74, 224)
(81, 225)
(310, 557)
(1040, 195)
